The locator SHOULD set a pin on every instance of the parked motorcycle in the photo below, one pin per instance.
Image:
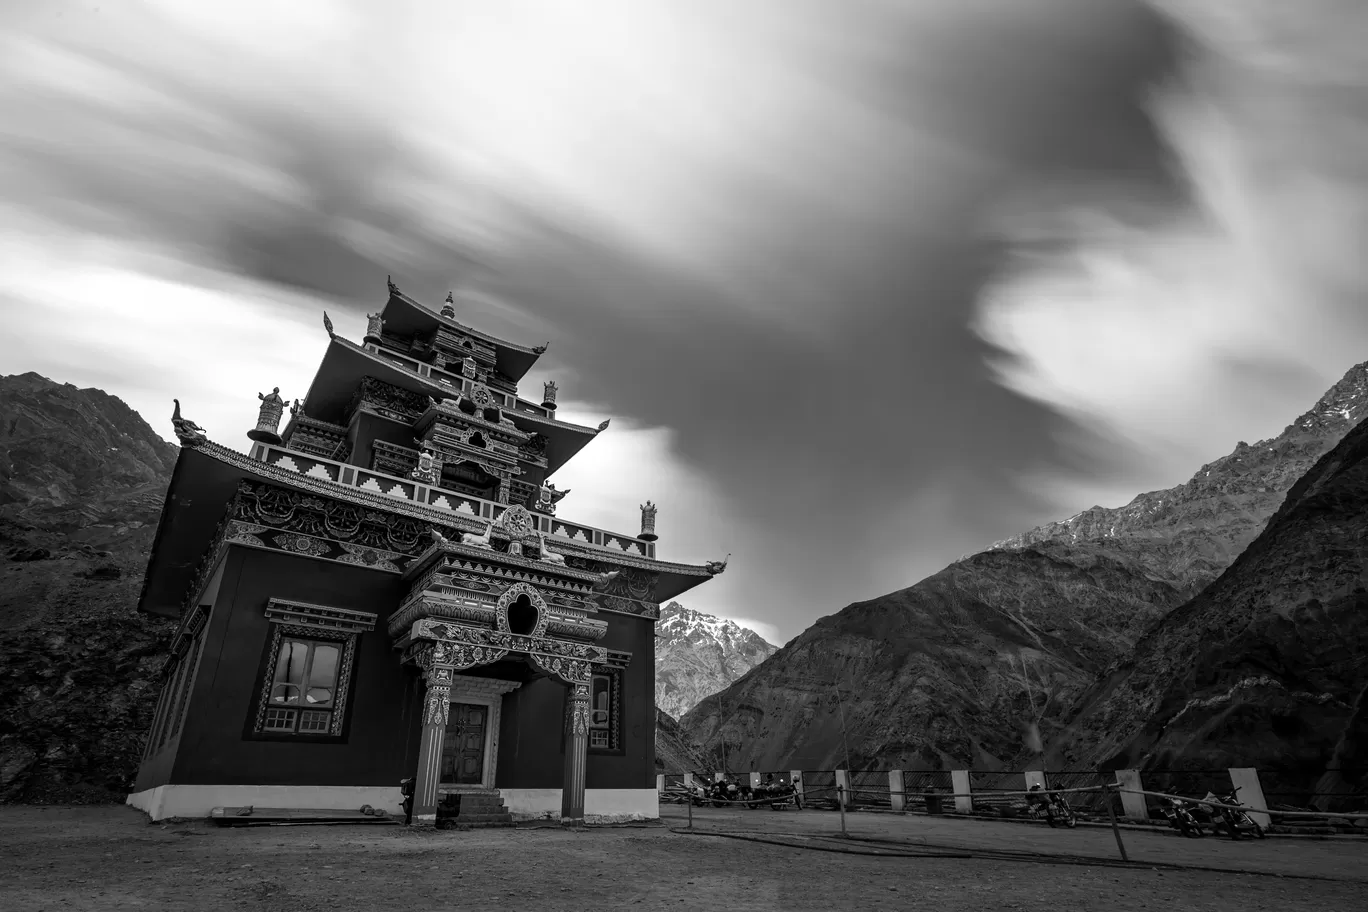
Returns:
(1232, 815)
(1053, 807)
(1180, 817)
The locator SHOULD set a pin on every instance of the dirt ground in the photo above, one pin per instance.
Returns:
(99, 858)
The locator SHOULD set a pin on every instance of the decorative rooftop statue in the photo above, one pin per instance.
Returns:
(429, 469)
(268, 419)
(716, 567)
(375, 326)
(449, 308)
(327, 324)
(393, 289)
(604, 425)
(187, 432)
(549, 390)
(548, 497)
(648, 518)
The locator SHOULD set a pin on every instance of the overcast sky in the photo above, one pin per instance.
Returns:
(864, 284)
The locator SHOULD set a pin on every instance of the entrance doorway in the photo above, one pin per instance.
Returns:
(463, 750)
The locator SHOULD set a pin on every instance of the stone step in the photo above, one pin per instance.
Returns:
(484, 818)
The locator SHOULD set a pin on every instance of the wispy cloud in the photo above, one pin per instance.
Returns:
(757, 235)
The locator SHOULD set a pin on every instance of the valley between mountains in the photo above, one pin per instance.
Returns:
(1217, 622)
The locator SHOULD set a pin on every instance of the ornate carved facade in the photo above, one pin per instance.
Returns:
(405, 520)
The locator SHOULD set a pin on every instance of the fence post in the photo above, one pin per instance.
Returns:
(1250, 793)
(796, 780)
(688, 781)
(896, 797)
(660, 782)
(1133, 805)
(964, 801)
(840, 802)
(1111, 813)
(689, 804)
(843, 787)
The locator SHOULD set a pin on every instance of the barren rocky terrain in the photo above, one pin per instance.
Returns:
(82, 480)
(109, 858)
(984, 663)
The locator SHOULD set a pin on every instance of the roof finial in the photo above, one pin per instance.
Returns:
(604, 425)
(327, 324)
(187, 432)
(393, 289)
(449, 308)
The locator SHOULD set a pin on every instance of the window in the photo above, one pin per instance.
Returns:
(605, 710)
(303, 691)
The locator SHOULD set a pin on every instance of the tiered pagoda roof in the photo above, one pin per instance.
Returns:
(421, 375)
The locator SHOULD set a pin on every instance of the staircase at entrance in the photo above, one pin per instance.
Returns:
(474, 807)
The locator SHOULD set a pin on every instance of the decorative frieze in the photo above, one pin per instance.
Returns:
(319, 617)
(392, 459)
(319, 438)
(458, 634)
(388, 401)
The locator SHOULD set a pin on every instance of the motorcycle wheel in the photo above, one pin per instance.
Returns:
(1071, 821)
(1234, 828)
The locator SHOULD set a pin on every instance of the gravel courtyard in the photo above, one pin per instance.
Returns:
(101, 858)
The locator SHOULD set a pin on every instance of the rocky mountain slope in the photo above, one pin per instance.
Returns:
(978, 664)
(676, 752)
(698, 654)
(1267, 666)
(82, 479)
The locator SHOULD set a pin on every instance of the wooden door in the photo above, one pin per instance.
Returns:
(464, 748)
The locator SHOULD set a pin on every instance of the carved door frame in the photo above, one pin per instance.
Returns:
(487, 692)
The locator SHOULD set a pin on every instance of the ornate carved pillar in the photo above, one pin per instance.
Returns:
(576, 754)
(436, 703)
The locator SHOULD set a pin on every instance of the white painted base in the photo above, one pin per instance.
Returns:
(198, 800)
(600, 805)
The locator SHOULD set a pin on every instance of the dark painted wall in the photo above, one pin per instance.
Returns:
(531, 740)
(380, 740)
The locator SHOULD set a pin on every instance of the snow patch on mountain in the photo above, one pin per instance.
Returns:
(700, 654)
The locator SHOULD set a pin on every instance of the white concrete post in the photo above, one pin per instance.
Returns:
(660, 783)
(755, 780)
(796, 780)
(688, 781)
(1250, 793)
(1133, 806)
(896, 798)
(719, 777)
(964, 801)
(1035, 777)
(843, 782)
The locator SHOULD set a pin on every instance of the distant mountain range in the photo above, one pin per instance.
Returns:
(698, 654)
(1002, 653)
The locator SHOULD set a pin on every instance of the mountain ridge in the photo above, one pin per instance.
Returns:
(699, 654)
(978, 664)
(82, 482)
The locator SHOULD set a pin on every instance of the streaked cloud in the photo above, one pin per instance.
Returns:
(864, 286)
